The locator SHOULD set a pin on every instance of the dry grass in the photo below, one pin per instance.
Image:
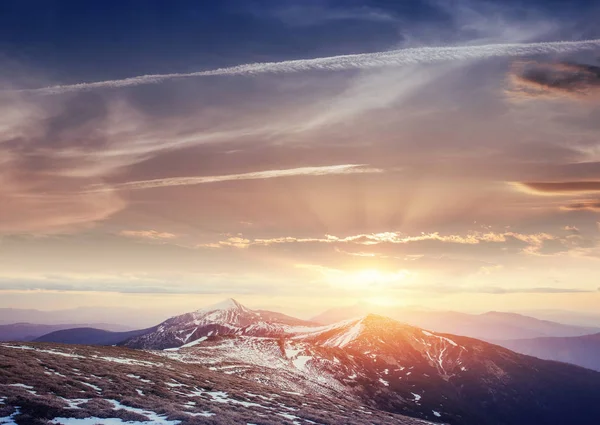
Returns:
(167, 387)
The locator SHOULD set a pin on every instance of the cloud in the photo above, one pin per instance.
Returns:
(587, 205)
(255, 175)
(451, 289)
(147, 234)
(47, 153)
(558, 188)
(402, 280)
(143, 283)
(535, 79)
(402, 57)
(534, 243)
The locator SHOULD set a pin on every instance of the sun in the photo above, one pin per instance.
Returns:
(369, 275)
(377, 279)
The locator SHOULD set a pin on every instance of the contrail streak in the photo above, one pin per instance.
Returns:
(255, 175)
(418, 55)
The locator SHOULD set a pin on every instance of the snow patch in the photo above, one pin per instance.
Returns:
(131, 375)
(10, 419)
(300, 362)
(95, 387)
(196, 342)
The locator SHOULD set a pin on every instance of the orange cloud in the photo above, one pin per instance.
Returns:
(147, 234)
(554, 80)
(559, 188)
(587, 205)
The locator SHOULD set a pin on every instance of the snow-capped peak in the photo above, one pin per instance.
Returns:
(227, 304)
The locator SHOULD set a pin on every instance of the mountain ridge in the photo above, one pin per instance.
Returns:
(491, 325)
(582, 350)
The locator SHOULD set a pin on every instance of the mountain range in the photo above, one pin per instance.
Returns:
(372, 361)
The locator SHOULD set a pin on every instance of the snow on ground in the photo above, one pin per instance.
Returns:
(347, 337)
(27, 387)
(131, 375)
(187, 337)
(153, 418)
(290, 353)
(223, 397)
(75, 402)
(120, 360)
(204, 414)
(300, 362)
(196, 342)
(417, 397)
(246, 356)
(300, 332)
(438, 414)
(354, 328)
(10, 419)
(384, 382)
(441, 337)
(52, 371)
(57, 353)
(290, 417)
(95, 387)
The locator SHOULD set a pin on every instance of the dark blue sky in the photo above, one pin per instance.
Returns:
(83, 40)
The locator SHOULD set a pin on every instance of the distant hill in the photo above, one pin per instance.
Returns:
(565, 316)
(580, 350)
(113, 317)
(91, 336)
(487, 326)
(31, 331)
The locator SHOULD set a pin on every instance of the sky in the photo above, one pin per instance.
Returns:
(300, 155)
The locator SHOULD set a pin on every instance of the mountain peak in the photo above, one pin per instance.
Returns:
(377, 319)
(226, 304)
